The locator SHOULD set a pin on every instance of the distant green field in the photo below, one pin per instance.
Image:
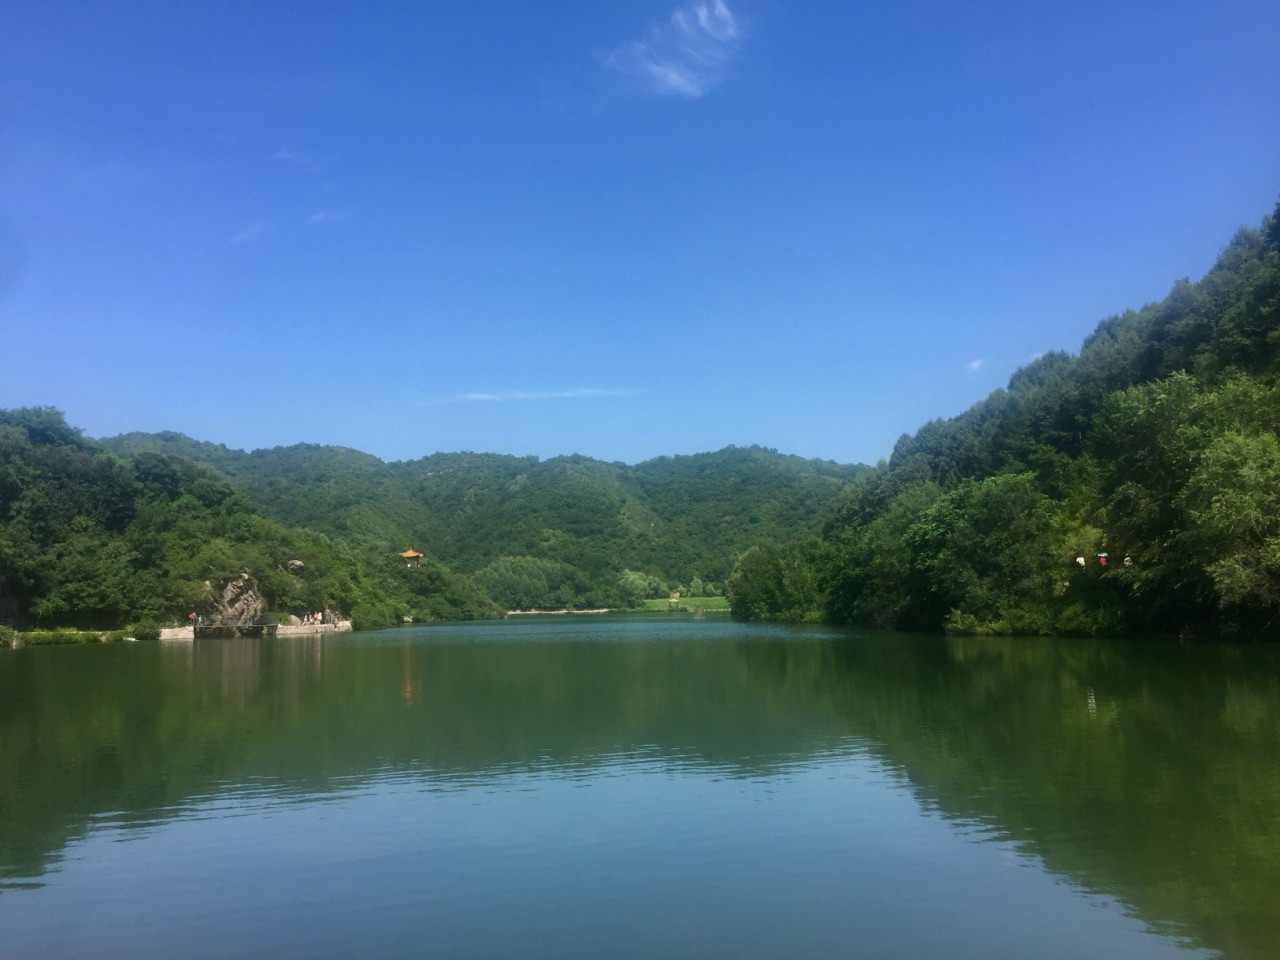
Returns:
(692, 604)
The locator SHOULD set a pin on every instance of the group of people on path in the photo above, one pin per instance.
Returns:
(1102, 560)
(318, 617)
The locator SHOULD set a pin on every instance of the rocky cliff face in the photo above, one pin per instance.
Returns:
(238, 602)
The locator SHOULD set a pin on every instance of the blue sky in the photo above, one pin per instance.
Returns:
(621, 228)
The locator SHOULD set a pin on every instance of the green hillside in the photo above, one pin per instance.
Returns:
(581, 522)
(1132, 487)
(143, 529)
(97, 541)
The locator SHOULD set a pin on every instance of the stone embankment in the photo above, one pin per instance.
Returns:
(284, 630)
(311, 629)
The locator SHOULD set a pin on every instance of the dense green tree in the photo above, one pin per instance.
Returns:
(987, 551)
(527, 583)
(777, 582)
(635, 587)
(1233, 508)
(867, 576)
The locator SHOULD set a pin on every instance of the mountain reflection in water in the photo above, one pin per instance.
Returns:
(1147, 773)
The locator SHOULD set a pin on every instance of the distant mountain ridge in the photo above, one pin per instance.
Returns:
(675, 517)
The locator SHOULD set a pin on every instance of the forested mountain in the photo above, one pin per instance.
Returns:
(144, 528)
(92, 540)
(1132, 487)
(537, 532)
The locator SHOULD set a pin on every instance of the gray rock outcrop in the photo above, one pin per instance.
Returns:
(239, 603)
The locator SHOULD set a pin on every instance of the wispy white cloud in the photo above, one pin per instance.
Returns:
(509, 396)
(252, 232)
(686, 55)
(580, 393)
(975, 365)
(302, 160)
(327, 216)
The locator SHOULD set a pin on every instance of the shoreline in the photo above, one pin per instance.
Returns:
(561, 612)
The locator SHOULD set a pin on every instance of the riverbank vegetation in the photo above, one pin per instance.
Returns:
(687, 605)
(1131, 488)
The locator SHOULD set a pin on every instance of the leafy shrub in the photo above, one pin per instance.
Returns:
(372, 615)
(1028, 620)
(1080, 620)
(46, 638)
(959, 623)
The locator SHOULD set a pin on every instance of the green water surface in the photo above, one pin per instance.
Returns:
(640, 787)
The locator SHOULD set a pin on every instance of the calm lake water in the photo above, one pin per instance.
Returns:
(642, 787)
